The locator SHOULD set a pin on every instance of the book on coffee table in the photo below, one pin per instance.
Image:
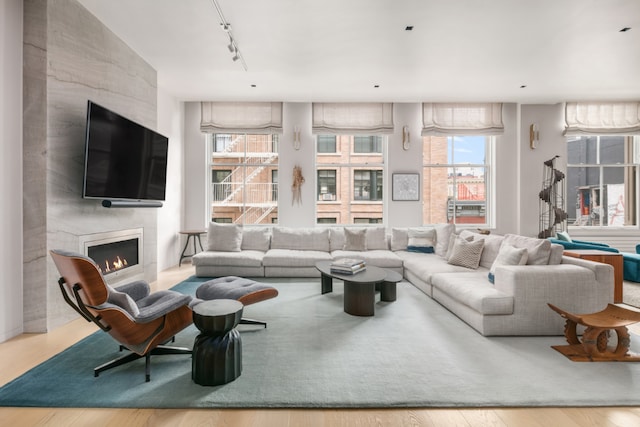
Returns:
(348, 266)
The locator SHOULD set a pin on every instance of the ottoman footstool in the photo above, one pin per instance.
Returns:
(240, 289)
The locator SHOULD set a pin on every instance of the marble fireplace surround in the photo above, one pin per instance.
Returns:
(71, 57)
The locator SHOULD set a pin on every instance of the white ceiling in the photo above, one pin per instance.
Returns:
(337, 50)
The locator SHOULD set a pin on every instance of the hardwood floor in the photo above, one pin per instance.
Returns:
(26, 351)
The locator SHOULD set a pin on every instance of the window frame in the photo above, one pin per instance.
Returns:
(490, 142)
(600, 165)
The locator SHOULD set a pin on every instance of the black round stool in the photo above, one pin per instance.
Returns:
(217, 351)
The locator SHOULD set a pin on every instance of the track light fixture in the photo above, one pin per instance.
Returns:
(232, 46)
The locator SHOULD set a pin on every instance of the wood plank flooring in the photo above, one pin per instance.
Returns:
(21, 353)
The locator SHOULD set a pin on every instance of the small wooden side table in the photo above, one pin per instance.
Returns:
(612, 258)
(191, 234)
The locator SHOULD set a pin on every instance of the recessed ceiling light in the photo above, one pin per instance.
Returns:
(625, 29)
(376, 86)
(408, 28)
(523, 86)
(253, 85)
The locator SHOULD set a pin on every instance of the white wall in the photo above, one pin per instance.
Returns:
(171, 124)
(11, 168)
(195, 170)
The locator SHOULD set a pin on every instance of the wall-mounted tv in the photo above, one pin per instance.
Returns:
(124, 161)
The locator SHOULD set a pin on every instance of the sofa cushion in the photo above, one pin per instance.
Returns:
(555, 256)
(336, 238)
(492, 244)
(247, 258)
(421, 240)
(508, 255)
(294, 258)
(425, 266)
(538, 249)
(564, 236)
(303, 239)
(443, 232)
(355, 239)
(224, 237)
(256, 238)
(473, 290)
(376, 238)
(399, 239)
(467, 254)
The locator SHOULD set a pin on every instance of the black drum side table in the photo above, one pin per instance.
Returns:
(217, 351)
(195, 235)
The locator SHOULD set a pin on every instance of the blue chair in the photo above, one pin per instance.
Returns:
(631, 262)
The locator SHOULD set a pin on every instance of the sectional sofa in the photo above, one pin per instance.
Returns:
(499, 285)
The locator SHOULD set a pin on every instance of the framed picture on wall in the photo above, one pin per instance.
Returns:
(405, 186)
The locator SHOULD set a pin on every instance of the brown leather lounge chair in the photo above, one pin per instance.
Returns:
(138, 320)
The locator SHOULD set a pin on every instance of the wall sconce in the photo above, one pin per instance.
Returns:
(406, 138)
(534, 136)
(296, 137)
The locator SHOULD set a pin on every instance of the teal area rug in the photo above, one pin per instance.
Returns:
(412, 353)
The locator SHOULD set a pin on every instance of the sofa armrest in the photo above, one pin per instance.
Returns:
(564, 285)
(603, 272)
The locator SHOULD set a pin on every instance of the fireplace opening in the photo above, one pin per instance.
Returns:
(115, 256)
(119, 254)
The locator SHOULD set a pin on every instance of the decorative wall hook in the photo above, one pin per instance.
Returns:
(296, 137)
(406, 137)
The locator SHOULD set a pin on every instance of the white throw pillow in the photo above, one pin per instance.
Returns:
(225, 237)
(443, 232)
(466, 254)
(376, 238)
(421, 240)
(538, 250)
(399, 239)
(355, 239)
(508, 255)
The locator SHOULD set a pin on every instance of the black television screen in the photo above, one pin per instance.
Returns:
(123, 160)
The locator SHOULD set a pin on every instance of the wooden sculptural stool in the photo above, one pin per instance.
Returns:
(594, 346)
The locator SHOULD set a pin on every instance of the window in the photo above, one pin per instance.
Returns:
(456, 176)
(221, 220)
(274, 186)
(367, 144)
(326, 143)
(367, 185)
(327, 185)
(221, 189)
(326, 220)
(244, 178)
(350, 182)
(367, 220)
(602, 179)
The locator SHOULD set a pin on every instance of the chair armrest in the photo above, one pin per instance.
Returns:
(638, 249)
(160, 303)
(584, 242)
(136, 290)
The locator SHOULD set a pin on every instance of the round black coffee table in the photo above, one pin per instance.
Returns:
(217, 351)
(360, 288)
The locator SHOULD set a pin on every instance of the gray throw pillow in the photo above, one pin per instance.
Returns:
(467, 254)
(355, 240)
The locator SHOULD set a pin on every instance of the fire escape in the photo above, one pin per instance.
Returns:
(256, 198)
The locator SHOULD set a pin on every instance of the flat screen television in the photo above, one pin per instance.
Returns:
(124, 161)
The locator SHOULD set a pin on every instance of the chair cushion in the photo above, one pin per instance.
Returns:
(631, 267)
(238, 288)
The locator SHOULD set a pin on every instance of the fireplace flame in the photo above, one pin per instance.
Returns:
(110, 267)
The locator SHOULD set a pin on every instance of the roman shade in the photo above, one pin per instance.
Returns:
(352, 118)
(241, 117)
(602, 118)
(462, 119)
